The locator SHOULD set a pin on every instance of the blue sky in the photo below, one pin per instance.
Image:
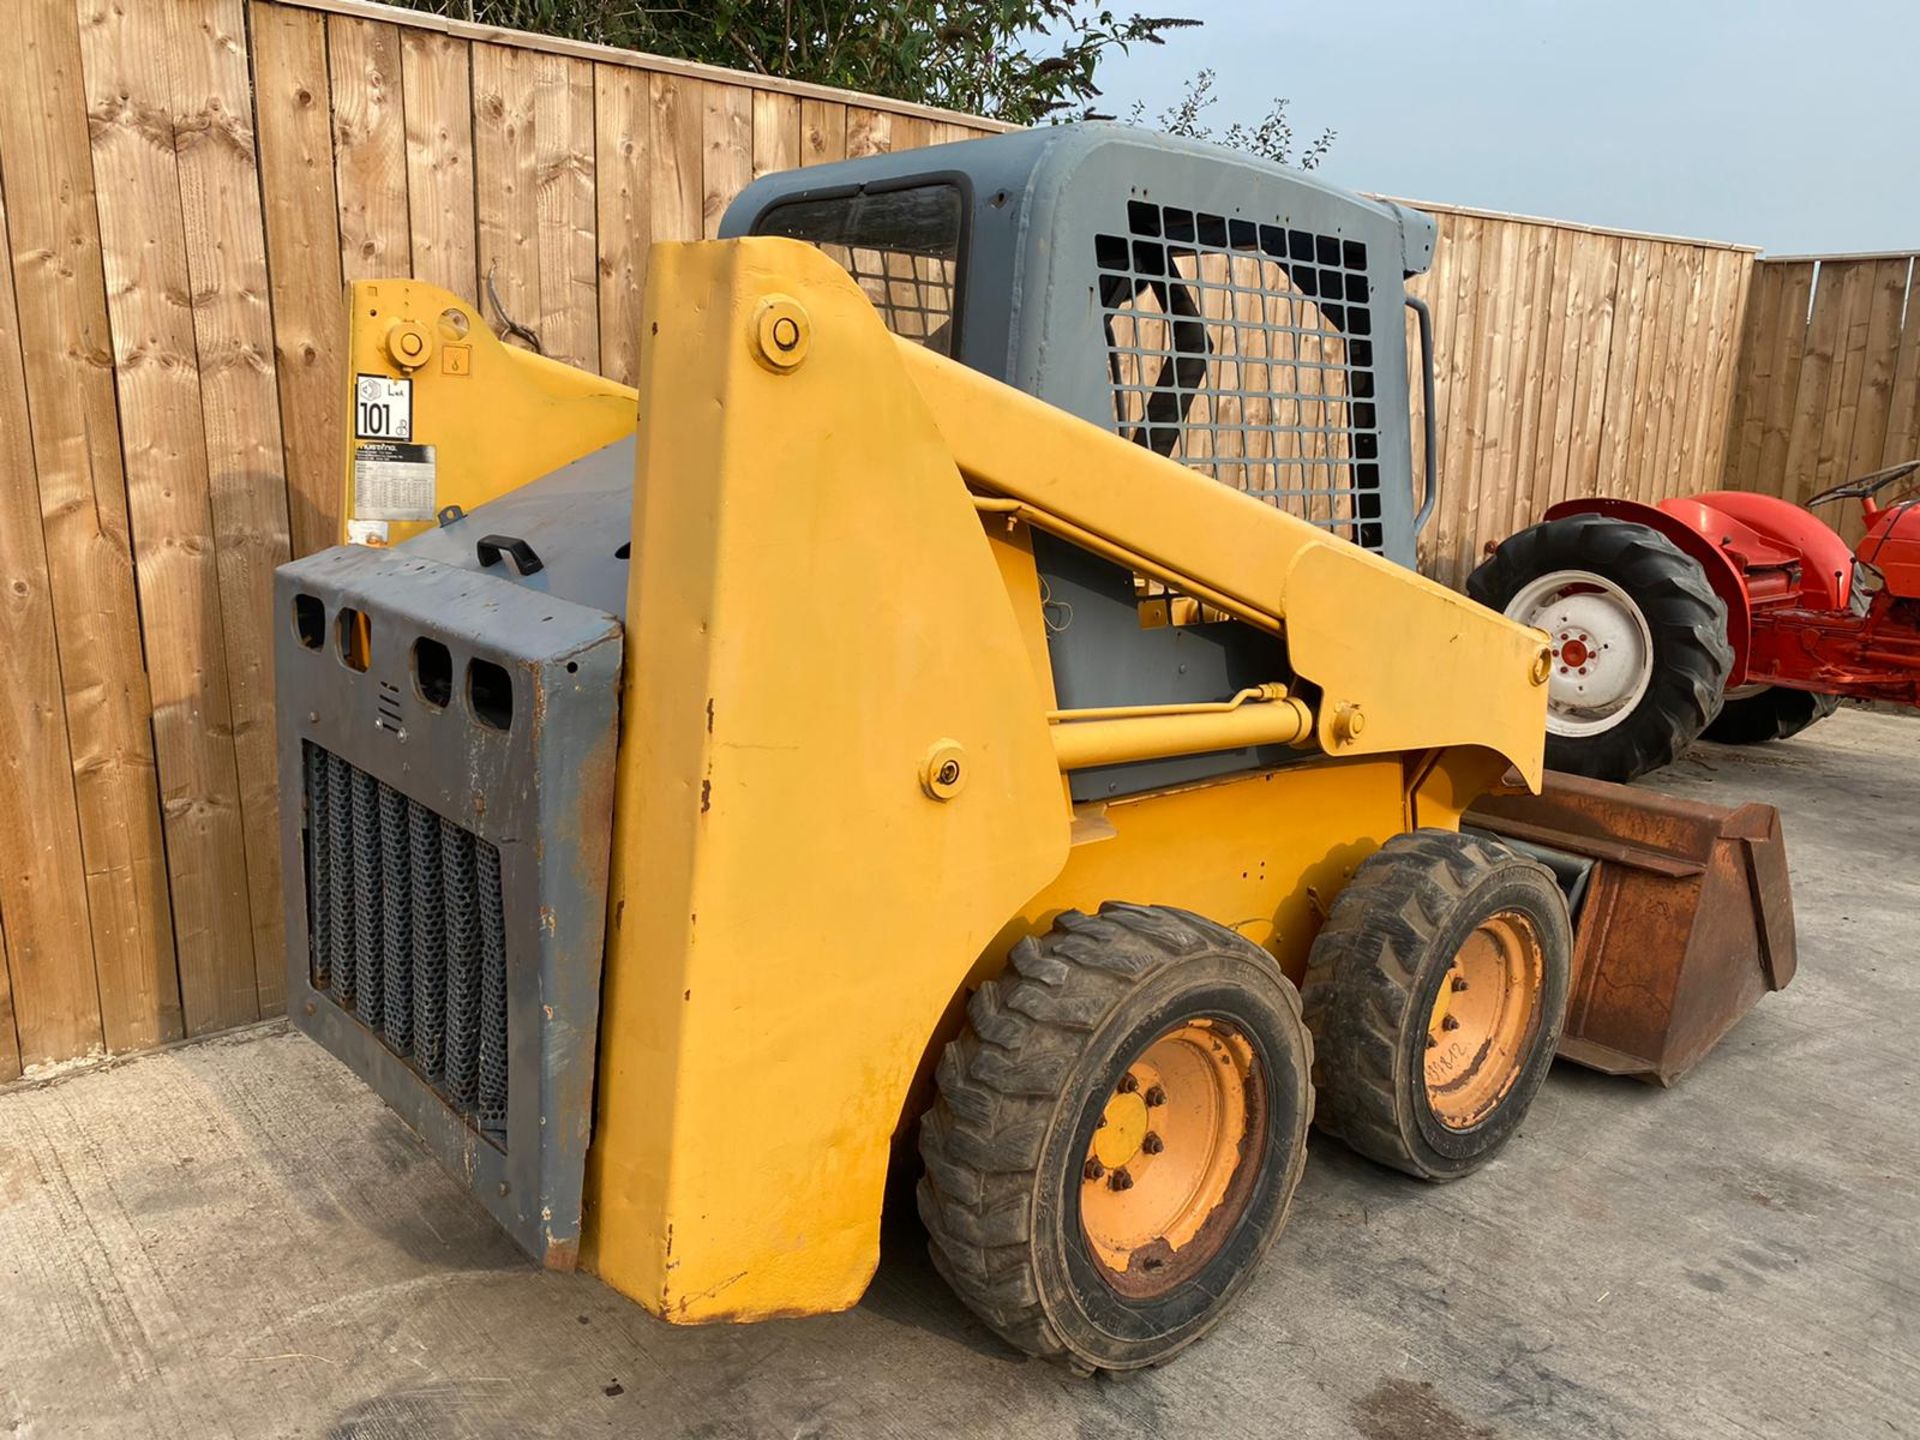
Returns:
(1786, 125)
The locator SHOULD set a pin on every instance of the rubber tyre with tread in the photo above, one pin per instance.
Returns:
(1688, 622)
(1374, 973)
(1021, 1089)
(1775, 713)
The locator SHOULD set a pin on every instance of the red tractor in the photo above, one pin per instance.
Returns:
(1733, 615)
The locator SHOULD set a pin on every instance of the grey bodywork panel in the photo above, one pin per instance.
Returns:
(578, 521)
(540, 792)
(1040, 203)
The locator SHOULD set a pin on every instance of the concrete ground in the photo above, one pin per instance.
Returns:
(235, 1238)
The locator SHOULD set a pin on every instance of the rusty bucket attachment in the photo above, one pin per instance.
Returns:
(1682, 916)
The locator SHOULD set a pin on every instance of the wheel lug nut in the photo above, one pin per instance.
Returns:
(1431, 1042)
(1156, 1097)
(1120, 1180)
(1450, 1023)
(1094, 1170)
(1459, 983)
(1127, 1084)
(1152, 1144)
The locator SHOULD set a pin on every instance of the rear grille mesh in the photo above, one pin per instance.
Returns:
(407, 932)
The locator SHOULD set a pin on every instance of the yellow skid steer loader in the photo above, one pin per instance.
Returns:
(887, 722)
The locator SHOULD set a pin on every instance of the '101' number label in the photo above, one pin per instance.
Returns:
(382, 408)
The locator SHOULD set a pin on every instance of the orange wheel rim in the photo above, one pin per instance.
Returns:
(1173, 1158)
(1483, 1020)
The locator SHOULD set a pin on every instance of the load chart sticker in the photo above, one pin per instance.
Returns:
(392, 481)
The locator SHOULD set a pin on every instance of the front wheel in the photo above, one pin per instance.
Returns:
(1118, 1134)
(1757, 714)
(1640, 652)
(1436, 992)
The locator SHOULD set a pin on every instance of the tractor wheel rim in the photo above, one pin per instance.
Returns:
(1602, 649)
(1483, 1020)
(1171, 1164)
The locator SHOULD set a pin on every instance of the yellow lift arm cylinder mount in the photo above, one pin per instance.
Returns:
(441, 410)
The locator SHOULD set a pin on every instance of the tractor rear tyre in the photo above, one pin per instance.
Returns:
(1772, 712)
(1639, 640)
(1436, 992)
(1117, 1136)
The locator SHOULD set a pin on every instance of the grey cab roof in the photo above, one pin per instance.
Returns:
(1029, 163)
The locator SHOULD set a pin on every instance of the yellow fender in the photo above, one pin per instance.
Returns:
(836, 783)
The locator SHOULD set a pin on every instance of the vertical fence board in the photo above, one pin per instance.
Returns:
(727, 129)
(677, 126)
(292, 98)
(1723, 344)
(143, 252)
(1576, 472)
(226, 255)
(823, 131)
(869, 132)
(1664, 301)
(1783, 391)
(1853, 293)
(506, 202)
(910, 132)
(776, 133)
(437, 98)
(1459, 347)
(566, 228)
(369, 148)
(1757, 355)
(1500, 396)
(623, 192)
(1903, 418)
(67, 350)
(43, 877)
(1623, 368)
(1882, 356)
(1520, 438)
(1669, 475)
(1553, 414)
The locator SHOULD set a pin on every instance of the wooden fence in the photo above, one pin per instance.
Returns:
(184, 187)
(1571, 361)
(1828, 382)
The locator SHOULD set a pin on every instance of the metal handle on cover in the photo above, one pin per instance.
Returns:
(1425, 316)
(488, 548)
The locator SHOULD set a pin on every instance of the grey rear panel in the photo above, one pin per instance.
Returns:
(446, 824)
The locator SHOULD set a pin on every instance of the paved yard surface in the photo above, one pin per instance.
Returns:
(235, 1238)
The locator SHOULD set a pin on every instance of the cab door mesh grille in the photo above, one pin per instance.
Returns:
(407, 933)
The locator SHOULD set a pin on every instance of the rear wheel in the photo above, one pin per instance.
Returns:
(1435, 993)
(1639, 640)
(1118, 1134)
(1756, 714)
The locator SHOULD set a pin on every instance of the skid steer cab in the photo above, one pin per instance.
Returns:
(913, 712)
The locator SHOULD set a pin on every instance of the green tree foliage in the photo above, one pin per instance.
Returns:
(1021, 61)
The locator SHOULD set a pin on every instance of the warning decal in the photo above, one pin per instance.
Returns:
(392, 481)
